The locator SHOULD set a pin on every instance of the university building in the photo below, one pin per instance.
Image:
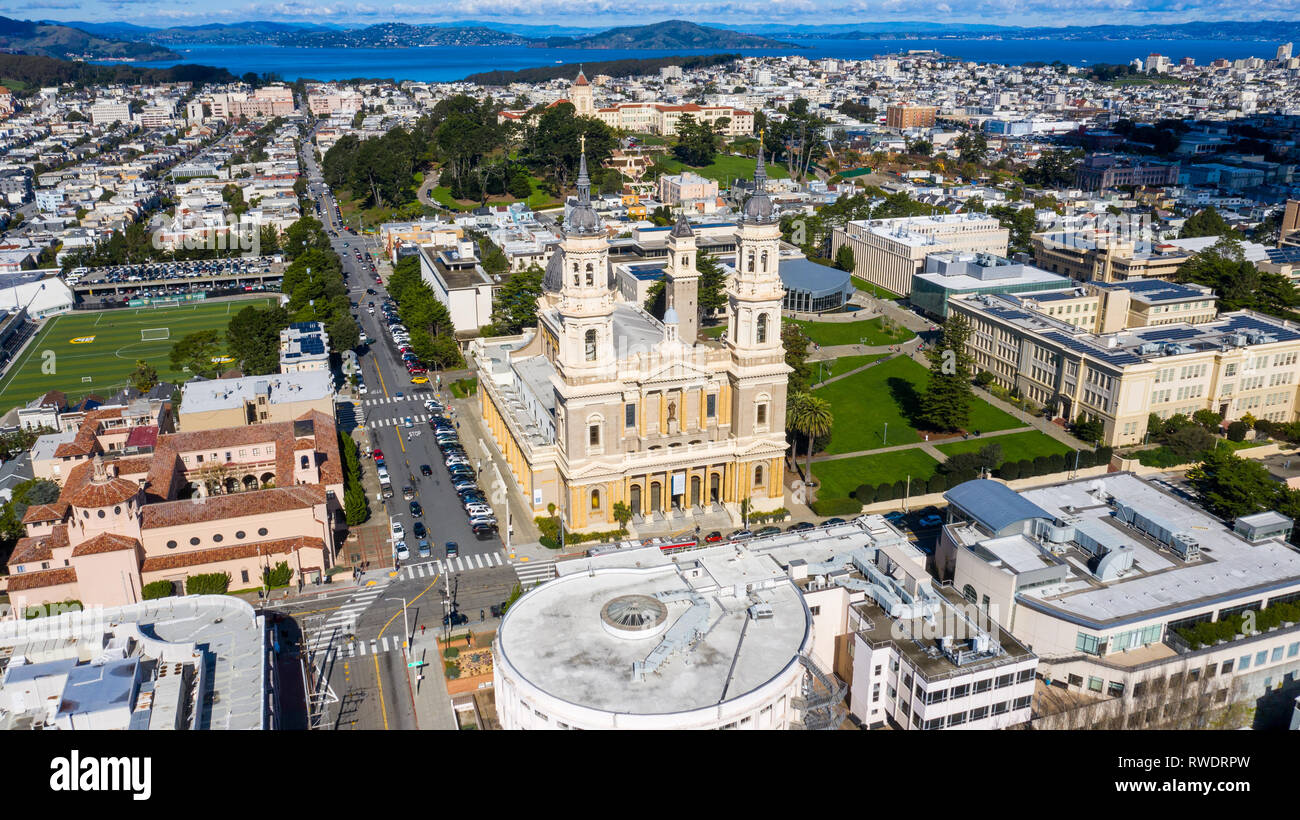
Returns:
(1237, 363)
(602, 403)
(891, 252)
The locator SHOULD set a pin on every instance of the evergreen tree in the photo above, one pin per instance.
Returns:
(712, 294)
(948, 398)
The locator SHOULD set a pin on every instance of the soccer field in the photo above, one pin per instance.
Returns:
(94, 352)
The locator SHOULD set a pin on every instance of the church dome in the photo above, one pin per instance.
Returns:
(758, 208)
(553, 280)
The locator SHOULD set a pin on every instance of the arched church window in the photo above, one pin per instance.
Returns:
(591, 345)
(761, 335)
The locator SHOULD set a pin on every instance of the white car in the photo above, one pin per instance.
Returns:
(399, 532)
(402, 552)
(361, 388)
(476, 510)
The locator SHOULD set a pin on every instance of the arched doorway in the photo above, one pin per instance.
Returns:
(695, 491)
(715, 488)
(634, 499)
(232, 485)
(268, 480)
(656, 496)
(250, 482)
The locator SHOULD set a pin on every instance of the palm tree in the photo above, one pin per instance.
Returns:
(811, 417)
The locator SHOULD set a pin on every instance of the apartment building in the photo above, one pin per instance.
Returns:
(910, 116)
(1100, 576)
(891, 252)
(221, 403)
(1241, 362)
(304, 346)
(1100, 171)
(109, 112)
(679, 189)
(1096, 255)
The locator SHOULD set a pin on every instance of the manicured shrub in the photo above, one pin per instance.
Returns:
(158, 589)
(1085, 459)
(1056, 462)
(900, 489)
(827, 507)
(936, 484)
(865, 493)
(1237, 431)
(1009, 471)
(1042, 466)
(208, 583)
(279, 576)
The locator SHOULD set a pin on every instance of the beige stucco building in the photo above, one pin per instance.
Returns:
(603, 403)
(237, 500)
(1240, 363)
(889, 252)
(1098, 256)
(218, 403)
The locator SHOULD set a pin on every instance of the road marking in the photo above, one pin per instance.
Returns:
(382, 708)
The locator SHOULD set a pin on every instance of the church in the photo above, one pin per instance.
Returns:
(602, 403)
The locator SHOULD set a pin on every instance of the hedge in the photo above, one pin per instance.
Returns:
(1207, 633)
(278, 577)
(936, 484)
(208, 583)
(779, 514)
(1009, 471)
(52, 608)
(866, 493)
(158, 589)
(827, 507)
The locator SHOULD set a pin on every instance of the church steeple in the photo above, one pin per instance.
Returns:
(758, 208)
(582, 218)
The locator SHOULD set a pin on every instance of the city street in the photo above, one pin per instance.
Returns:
(357, 633)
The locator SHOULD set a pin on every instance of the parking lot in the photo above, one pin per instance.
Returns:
(241, 274)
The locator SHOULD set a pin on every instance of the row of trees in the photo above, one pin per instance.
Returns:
(1230, 487)
(356, 509)
(433, 336)
(1238, 283)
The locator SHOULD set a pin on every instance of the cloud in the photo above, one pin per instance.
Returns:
(37, 5)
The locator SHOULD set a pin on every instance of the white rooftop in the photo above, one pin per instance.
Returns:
(224, 394)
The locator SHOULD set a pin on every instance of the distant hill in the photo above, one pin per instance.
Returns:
(65, 42)
(668, 34)
(403, 35)
(630, 67)
(31, 72)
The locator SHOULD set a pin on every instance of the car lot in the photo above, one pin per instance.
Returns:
(176, 272)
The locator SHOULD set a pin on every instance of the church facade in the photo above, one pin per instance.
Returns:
(603, 404)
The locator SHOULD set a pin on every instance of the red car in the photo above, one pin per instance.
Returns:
(379, 456)
(713, 537)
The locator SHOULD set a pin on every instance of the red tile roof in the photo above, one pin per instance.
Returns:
(145, 435)
(238, 505)
(45, 512)
(42, 578)
(104, 493)
(213, 555)
(105, 542)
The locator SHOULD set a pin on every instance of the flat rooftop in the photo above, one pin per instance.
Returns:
(1160, 582)
(224, 394)
(556, 637)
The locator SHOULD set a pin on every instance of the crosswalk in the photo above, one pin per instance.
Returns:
(398, 421)
(374, 646)
(344, 619)
(394, 400)
(532, 573)
(461, 563)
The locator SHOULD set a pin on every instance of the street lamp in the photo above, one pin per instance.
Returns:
(406, 625)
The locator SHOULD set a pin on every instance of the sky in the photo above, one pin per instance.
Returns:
(610, 13)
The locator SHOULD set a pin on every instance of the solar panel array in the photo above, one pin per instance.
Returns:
(1283, 256)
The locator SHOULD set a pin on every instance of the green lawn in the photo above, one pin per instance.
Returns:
(874, 289)
(724, 168)
(115, 345)
(840, 477)
(537, 199)
(863, 404)
(1015, 447)
(713, 332)
(842, 365)
(852, 333)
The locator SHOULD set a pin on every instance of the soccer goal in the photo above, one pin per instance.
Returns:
(155, 334)
(165, 303)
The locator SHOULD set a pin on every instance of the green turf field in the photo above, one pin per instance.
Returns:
(110, 356)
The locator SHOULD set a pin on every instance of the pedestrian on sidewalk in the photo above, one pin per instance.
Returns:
(421, 630)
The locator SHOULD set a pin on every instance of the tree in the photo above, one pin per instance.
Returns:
(1207, 222)
(809, 416)
(712, 295)
(844, 258)
(196, 352)
(1190, 442)
(1231, 487)
(622, 514)
(1237, 282)
(144, 377)
(279, 576)
(516, 302)
(696, 141)
(253, 338)
(1054, 169)
(921, 148)
(948, 398)
(1237, 431)
(973, 146)
(1208, 419)
(1088, 429)
(656, 299)
(796, 354)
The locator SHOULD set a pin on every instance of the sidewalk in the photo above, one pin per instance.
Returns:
(479, 444)
(428, 686)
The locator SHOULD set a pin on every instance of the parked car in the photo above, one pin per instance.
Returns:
(769, 530)
(452, 548)
(425, 469)
(400, 550)
(740, 535)
(416, 510)
(408, 493)
(895, 517)
(931, 520)
(424, 551)
(398, 531)
(801, 526)
(419, 530)
(833, 521)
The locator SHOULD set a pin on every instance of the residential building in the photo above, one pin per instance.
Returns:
(675, 190)
(108, 112)
(905, 116)
(890, 252)
(459, 282)
(214, 404)
(603, 404)
(304, 346)
(1101, 171)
